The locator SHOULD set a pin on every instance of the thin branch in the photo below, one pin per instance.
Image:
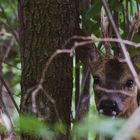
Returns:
(93, 39)
(53, 103)
(35, 90)
(8, 49)
(84, 42)
(9, 93)
(105, 31)
(70, 51)
(135, 24)
(26, 97)
(82, 92)
(127, 42)
(123, 48)
(127, 93)
(34, 95)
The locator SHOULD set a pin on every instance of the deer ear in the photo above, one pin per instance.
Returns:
(88, 54)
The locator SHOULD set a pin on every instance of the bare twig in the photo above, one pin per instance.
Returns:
(93, 39)
(53, 103)
(124, 50)
(105, 32)
(8, 50)
(34, 95)
(127, 42)
(134, 26)
(26, 96)
(80, 98)
(35, 90)
(114, 91)
(9, 93)
(70, 51)
(85, 42)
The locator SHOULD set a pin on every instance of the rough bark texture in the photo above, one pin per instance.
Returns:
(44, 26)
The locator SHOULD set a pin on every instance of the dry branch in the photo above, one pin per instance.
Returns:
(84, 42)
(105, 32)
(9, 93)
(123, 48)
(135, 24)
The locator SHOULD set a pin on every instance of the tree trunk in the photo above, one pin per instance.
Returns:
(44, 26)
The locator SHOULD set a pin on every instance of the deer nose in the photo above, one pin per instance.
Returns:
(108, 108)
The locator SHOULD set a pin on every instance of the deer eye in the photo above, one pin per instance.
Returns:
(129, 83)
(96, 79)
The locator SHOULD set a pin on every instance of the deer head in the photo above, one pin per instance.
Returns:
(114, 85)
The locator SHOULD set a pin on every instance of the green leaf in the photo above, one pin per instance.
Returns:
(34, 127)
(95, 124)
(94, 11)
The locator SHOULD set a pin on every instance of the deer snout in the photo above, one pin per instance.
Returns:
(108, 108)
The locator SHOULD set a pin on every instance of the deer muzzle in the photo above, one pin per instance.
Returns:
(108, 107)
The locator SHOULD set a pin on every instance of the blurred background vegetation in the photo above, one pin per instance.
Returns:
(9, 45)
(123, 12)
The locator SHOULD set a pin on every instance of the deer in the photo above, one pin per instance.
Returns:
(115, 89)
(112, 76)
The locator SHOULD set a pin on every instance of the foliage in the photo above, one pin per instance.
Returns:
(88, 126)
(33, 126)
(12, 68)
(94, 124)
(10, 52)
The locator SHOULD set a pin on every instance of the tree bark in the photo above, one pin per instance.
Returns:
(44, 26)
